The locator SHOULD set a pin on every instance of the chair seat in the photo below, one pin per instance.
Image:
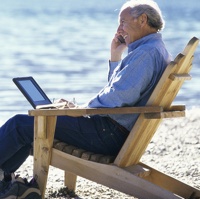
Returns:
(80, 153)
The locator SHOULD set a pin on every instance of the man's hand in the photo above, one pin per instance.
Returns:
(117, 49)
(68, 103)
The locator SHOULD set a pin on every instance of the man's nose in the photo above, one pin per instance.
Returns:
(120, 29)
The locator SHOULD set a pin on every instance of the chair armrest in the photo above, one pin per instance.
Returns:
(75, 112)
(171, 112)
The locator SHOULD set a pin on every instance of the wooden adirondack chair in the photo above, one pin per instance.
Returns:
(125, 172)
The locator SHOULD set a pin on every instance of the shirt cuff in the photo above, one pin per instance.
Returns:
(113, 64)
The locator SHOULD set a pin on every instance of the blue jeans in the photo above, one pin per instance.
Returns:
(96, 134)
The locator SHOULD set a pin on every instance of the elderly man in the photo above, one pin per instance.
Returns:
(130, 83)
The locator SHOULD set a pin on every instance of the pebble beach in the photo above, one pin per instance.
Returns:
(174, 150)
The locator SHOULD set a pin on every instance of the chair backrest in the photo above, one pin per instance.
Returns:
(163, 95)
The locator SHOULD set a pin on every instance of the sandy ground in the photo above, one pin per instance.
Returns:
(174, 150)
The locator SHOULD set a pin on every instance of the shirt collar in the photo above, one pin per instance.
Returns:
(143, 40)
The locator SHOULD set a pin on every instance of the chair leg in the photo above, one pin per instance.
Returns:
(70, 180)
(43, 141)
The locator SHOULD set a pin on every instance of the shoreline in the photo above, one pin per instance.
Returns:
(173, 150)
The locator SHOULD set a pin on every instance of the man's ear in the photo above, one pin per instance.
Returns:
(143, 19)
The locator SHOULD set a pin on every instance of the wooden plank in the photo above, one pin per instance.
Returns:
(86, 155)
(192, 45)
(81, 153)
(121, 179)
(176, 108)
(40, 124)
(70, 180)
(42, 149)
(162, 86)
(169, 183)
(59, 145)
(180, 77)
(69, 149)
(166, 95)
(78, 152)
(106, 159)
(139, 170)
(137, 141)
(165, 114)
(184, 63)
(94, 111)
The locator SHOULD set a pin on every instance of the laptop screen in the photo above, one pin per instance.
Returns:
(32, 91)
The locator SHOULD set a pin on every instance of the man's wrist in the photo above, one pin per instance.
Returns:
(115, 58)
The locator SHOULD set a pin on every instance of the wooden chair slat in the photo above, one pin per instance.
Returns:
(180, 77)
(165, 114)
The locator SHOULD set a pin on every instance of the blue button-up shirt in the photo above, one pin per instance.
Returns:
(132, 80)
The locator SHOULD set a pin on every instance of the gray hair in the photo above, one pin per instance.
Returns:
(148, 7)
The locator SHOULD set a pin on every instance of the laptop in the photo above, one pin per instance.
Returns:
(34, 94)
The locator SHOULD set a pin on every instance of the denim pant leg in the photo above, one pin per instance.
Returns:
(95, 134)
(16, 137)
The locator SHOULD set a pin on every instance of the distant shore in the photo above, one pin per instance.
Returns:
(174, 150)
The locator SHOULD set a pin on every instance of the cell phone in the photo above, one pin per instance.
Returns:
(121, 39)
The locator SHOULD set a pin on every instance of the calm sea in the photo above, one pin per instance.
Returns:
(64, 45)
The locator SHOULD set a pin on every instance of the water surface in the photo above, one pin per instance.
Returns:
(65, 45)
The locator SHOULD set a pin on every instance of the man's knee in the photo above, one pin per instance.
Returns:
(22, 119)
